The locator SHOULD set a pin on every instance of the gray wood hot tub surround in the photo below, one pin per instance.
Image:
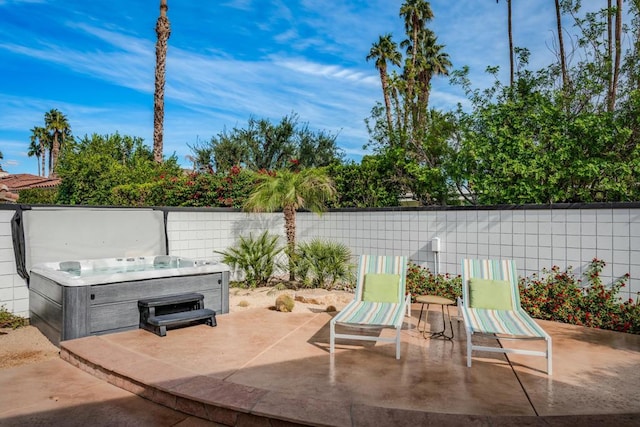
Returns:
(64, 312)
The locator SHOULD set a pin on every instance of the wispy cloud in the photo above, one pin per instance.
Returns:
(229, 61)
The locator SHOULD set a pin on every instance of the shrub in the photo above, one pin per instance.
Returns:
(284, 303)
(10, 320)
(421, 281)
(255, 257)
(321, 264)
(38, 196)
(559, 296)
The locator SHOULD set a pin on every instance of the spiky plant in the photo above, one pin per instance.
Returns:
(256, 257)
(323, 263)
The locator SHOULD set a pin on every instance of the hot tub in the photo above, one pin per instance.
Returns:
(73, 299)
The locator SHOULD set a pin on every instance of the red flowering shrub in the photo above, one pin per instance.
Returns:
(421, 281)
(195, 189)
(558, 295)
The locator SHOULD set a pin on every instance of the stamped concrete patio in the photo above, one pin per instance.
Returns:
(261, 367)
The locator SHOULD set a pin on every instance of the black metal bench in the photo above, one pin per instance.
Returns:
(158, 313)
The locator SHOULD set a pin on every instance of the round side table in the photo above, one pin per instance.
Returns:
(442, 302)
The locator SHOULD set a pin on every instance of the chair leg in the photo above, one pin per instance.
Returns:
(468, 349)
(332, 339)
(398, 342)
(549, 358)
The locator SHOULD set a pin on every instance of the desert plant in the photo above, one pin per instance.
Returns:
(10, 320)
(256, 257)
(284, 303)
(321, 263)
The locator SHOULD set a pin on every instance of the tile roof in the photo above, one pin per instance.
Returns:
(21, 181)
(11, 184)
(6, 195)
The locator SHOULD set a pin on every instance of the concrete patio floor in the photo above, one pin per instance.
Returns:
(261, 367)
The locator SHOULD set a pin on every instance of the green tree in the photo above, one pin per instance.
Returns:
(414, 145)
(368, 184)
(263, 145)
(91, 167)
(163, 32)
(57, 125)
(308, 189)
(538, 141)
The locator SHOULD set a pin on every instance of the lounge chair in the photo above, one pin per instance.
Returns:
(380, 300)
(490, 305)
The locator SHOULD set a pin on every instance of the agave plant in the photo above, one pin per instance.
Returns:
(256, 257)
(321, 263)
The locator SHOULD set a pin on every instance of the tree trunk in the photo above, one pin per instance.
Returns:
(163, 31)
(290, 231)
(43, 153)
(385, 92)
(618, 52)
(55, 150)
(563, 59)
(511, 65)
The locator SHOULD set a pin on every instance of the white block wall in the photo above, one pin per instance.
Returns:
(534, 238)
(198, 234)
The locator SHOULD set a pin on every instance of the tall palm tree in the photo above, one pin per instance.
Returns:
(34, 150)
(385, 50)
(433, 61)
(163, 31)
(287, 190)
(416, 14)
(39, 134)
(57, 124)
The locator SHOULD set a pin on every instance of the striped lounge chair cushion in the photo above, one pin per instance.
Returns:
(367, 313)
(516, 323)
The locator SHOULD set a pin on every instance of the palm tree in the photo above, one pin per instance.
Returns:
(308, 189)
(56, 123)
(416, 14)
(163, 31)
(432, 62)
(39, 134)
(383, 51)
(34, 150)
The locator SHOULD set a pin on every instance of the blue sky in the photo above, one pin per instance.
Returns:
(228, 61)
